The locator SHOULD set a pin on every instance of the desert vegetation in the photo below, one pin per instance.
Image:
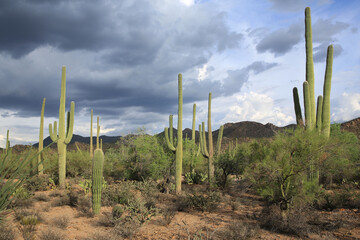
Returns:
(301, 183)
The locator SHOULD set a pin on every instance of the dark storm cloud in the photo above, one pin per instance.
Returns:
(122, 57)
(73, 25)
(281, 41)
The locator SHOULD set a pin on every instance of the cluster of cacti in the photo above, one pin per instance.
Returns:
(63, 135)
(179, 148)
(97, 173)
(41, 137)
(209, 153)
(314, 118)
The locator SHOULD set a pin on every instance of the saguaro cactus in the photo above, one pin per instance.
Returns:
(209, 153)
(326, 92)
(41, 138)
(310, 78)
(97, 178)
(97, 173)
(179, 148)
(318, 118)
(91, 136)
(63, 135)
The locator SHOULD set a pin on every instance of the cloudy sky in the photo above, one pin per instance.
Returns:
(123, 57)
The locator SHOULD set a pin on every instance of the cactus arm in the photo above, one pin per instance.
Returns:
(326, 92)
(101, 144)
(53, 134)
(7, 144)
(310, 78)
(97, 133)
(219, 140)
(193, 124)
(204, 150)
(171, 147)
(297, 108)
(307, 105)
(319, 113)
(171, 129)
(70, 128)
(91, 136)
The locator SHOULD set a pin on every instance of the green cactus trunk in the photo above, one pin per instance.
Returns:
(193, 154)
(307, 106)
(171, 129)
(97, 133)
(63, 135)
(41, 139)
(219, 140)
(211, 169)
(179, 148)
(91, 136)
(319, 113)
(7, 144)
(97, 180)
(310, 77)
(297, 108)
(326, 92)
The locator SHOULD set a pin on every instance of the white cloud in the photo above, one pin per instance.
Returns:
(202, 72)
(257, 107)
(187, 2)
(346, 107)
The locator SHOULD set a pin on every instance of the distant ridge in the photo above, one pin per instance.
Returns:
(81, 139)
(243, 131)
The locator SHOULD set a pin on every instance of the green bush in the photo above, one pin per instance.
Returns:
(195, 177)
(198, 201)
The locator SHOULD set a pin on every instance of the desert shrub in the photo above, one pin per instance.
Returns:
(195, 177)
(52, 234)
(340, 198)
(100, 236)
(240, 231)
(138, 157)
(61, 201)
(168, 215)
(6, 233)
(294, 223)
(61, 221)
(42, 197)
(198, 201)
(286, 175)
(21, 198)
(37, 183)
(117, 211)
(78, 164)
(117, 194)
(126, 227)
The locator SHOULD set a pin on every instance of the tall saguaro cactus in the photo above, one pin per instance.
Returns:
(326, 92)
(97, 173)
(319, 117)
(91, 136)
(63, 135)
(310, 78)
(179, 148)
(41, 138)
(7, 143)
(209, 153)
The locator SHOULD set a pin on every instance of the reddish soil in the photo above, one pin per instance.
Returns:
(340, 224)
